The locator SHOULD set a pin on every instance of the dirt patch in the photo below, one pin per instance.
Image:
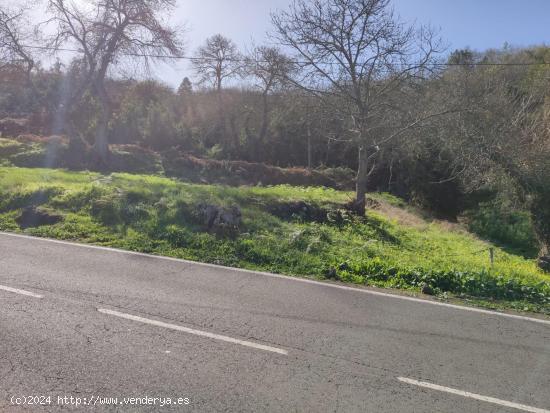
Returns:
(13, 126)
(236, 173)
(402, 216)
(30, 138)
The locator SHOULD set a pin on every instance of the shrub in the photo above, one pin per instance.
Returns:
(134, 159)
(107, 210)
(28, 198)
(510, 228)
(9, 147)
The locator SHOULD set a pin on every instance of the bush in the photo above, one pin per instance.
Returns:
(33, 157)
(482, 283)
(107, 210)
(510, 228)
(40, 196)
(134, 159)
(9, 147)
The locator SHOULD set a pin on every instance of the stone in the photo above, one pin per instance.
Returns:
(544, 263)
(35, 217)
(426, 289)
(220, 219)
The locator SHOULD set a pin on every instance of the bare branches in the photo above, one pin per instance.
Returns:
(217, 61)
(345, 45)
(358, 54)
(355, 49)
(268, 67)
(105, 31)
(13, 35)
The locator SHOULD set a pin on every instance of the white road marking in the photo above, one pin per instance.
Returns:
(18, 291)
(473, 395)
(289, 278)
(192, 331)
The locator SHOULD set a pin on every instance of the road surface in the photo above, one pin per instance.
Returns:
(105, 326)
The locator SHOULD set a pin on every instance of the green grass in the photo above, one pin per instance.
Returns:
(389, 247)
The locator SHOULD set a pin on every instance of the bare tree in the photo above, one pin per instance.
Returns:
(217, 60)
(357, 55)
(107, 31)
(269, 68)
(13, 36)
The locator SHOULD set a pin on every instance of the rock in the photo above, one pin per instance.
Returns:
(331, 274)
(229, 217)
(299, 209)
(544, 263)
(426, 289)
(220, 219)
(34, 217)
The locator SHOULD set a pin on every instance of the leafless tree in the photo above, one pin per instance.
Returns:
(357, 55)
(269, 68)
(217, 60)
(106, 32)
(14, 34)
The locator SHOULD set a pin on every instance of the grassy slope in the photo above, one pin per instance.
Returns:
(390, 247)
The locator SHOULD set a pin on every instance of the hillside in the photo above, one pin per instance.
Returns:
(36, 151)
(283, 229)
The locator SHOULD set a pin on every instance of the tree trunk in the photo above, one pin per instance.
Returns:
(541, 219)
(265, 118)
(221, 113)
(361, 182)
(101, 144)
(309, 154)
(259, 145)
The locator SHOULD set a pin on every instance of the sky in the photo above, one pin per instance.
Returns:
(478, 24)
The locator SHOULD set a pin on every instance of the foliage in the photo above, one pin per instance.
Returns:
(505, 226)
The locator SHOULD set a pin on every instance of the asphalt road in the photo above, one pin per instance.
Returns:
(96, 324)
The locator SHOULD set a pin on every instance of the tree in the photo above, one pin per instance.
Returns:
(269, 68)
(502, 140)
(107, 31)
(217, 61)
(185, 88)
(13, 35)
(357, 55)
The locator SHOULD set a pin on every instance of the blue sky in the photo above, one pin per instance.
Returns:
(482, 24)
(479, 24)
(476, 23)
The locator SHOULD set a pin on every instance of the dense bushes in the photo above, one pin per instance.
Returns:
(510, 228)
(482, 283)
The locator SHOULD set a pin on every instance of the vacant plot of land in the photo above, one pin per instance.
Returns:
(283, 229)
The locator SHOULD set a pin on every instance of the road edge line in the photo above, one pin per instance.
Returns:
(474, 396)
(284, 277)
